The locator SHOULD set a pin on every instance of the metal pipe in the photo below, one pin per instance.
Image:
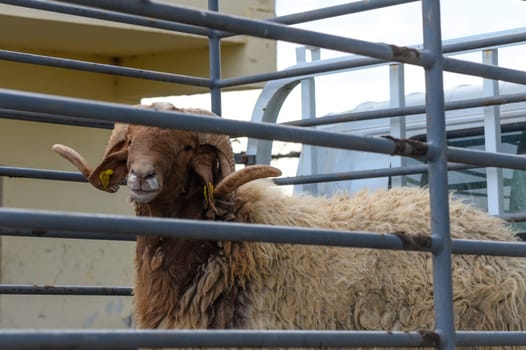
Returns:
(126, 339)
(107, 16)
(104, 111)
(362, 174)
(34, 289)
(494, 40)
(326, 66)
(53, 118)
(356, 61)
(486, 339)
(335, 11)
(25, 339)
(191, 229)
(102, 68)
(438, 183)
(78, 108)
(324, 120)
(490, 248)
(259, 28)
(481, 158)
(484, 70)
(330, 65)
(411, 110)
(42, 174)
(269, 30)
(294, 180)
(514, 217)
(214, 54)
(115, 227)
(41, 233)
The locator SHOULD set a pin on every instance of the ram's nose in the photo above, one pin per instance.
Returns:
(143, 177)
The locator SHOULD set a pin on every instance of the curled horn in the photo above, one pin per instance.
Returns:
(116, 142)
(219, 141)
(74, 157)
(236, 179)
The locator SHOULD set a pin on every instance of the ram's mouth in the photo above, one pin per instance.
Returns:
(141, 196)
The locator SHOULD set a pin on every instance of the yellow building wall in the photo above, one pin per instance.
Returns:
(50, 261)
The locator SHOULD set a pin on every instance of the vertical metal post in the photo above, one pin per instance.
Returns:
(214, 54)
(398, 125)
(438, 183)
(492, 137)
(308, 111)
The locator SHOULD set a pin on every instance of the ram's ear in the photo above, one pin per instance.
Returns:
(207, 166)
(111, 172)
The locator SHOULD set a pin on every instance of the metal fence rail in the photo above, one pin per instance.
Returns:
(124, 339)
(74, 225)
(103, 111)
(30, 106)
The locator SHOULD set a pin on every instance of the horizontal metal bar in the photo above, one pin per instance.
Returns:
(331, 11)
(53, 118)
(311, 68)
(312, 15)
(486, 339)
(324, 120)
(266, 29)
(484, 70)
(335, 65)
(190, 229)
(91, 110)
(493, 248)
(482, 158)
(102, 68)
(507, 37)
(144, 74)
(22, 339)
(125, 339)
(107, 16)
(411, 110)
(34, 289)
(42, 174)
(337, 10)
(39, 103)
(362, 174)
(514, 217)
(32, 232)
(305, 179)
(44, 221)
(46, 174)
(260, 28)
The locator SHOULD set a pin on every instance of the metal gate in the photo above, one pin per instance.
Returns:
(30, 106)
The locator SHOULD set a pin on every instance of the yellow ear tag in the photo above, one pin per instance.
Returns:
(208, 192)
(104, 177)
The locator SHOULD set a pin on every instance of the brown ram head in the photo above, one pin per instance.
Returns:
(165, 163)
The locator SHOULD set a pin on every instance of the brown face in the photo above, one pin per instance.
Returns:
(158, 162)
(157, 159)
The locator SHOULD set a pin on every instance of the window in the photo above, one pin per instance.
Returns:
(470, 185)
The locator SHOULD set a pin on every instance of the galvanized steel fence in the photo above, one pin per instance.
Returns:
(29, 106)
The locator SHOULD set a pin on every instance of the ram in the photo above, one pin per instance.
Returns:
(221, 284)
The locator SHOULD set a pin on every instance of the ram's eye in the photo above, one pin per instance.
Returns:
(188, 148)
